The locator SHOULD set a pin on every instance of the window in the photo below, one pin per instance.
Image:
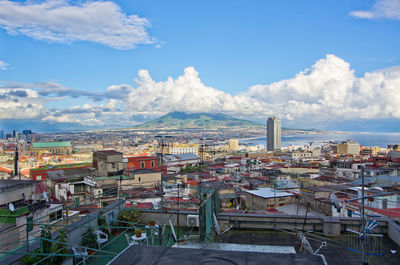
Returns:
(142, 165)
(55, 216)
(152, 163)
(78, 188)
(384, 203)
(139, 179)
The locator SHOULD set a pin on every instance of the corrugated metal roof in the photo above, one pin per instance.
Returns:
(179, 157)
(50, 144)
(380, 181)
(268, 193)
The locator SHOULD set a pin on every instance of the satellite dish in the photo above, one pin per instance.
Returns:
(11, 207)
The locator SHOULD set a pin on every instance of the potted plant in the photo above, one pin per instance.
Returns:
(138, 233)
(152, 223)
(32, 259)
(89, 240)
(116, 231)
(128, 217)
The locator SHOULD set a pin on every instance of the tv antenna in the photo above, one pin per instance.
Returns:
(364, 241)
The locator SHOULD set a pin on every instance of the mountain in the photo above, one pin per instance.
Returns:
(181, 120)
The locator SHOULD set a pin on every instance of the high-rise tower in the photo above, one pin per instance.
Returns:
(273, 134)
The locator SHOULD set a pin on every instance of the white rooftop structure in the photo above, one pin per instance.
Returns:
(239, 247)
(268, 193)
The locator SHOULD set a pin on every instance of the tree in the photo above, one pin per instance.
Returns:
(60, 247)
(45, 234)
(48, 247)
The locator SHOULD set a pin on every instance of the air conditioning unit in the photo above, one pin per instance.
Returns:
(193, 220)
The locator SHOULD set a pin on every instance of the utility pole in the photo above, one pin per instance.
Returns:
(178, 212)
(16, 158)
(275, 203)
(364, 261)
(162, 138)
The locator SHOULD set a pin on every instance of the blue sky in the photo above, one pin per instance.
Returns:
(73, 64)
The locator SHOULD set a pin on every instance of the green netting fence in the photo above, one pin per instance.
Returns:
(210, 204)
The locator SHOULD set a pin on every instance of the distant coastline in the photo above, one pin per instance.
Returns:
(363, 138)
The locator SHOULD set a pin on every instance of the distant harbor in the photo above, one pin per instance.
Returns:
(363, 138)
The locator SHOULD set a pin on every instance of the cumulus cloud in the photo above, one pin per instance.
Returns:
(55, 90)
(327, 91)
(89, 115)
(4, 65)
(186, 93)
(389, 9)
(61, 21)
(20, 103)
(330, 90)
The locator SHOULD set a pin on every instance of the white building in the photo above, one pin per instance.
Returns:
(183, 149)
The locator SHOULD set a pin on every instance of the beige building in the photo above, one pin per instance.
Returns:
(348, 148)
(267, 198)
(57, 148)
(146, 177)
(109, 163)
(233, 145)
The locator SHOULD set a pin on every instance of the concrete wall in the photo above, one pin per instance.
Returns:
(328, 225)
(394, 232)
(163, 219)
(259, 203)
(13, 195)
(75, 230)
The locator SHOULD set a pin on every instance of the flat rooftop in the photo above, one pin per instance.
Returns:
(9, 184)
(108, 152)
(188, 256)
(336, 252)
(268, 193)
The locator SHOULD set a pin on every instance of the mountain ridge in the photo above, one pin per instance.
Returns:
(182, 120)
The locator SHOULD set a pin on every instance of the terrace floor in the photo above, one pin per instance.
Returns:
(117, 244)
(336, 252)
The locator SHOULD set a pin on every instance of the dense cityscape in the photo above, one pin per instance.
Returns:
(199, 132)
(62, 179)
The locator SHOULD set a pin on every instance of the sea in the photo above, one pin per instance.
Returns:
(363, 138)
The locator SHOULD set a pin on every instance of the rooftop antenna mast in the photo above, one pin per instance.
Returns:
(365, 242)
(16, 158)
(163, 144)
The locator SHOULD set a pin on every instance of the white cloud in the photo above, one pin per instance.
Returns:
(389, 9)
(330, 90)
(4, 65)
(327, 91)
(90, 115)
(60, 21)
(20, 103)
(186, 93)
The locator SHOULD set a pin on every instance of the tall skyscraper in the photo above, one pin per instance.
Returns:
(15, 134)
(273, 134)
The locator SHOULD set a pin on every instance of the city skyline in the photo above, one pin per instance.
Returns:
(333, 66)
